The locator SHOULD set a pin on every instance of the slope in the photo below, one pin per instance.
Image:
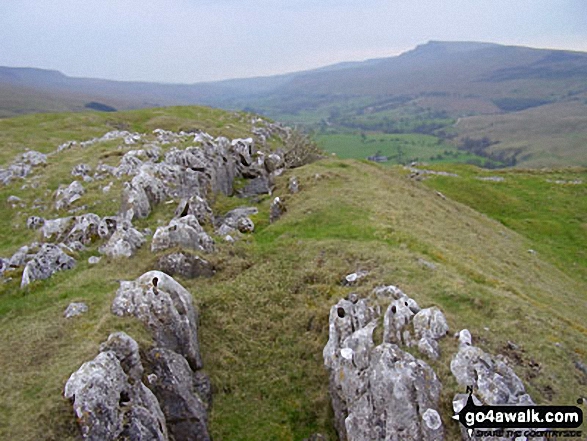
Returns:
(264, 315)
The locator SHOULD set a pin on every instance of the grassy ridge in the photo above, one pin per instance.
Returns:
(264, 315)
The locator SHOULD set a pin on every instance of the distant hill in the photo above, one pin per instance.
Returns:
(425, 90)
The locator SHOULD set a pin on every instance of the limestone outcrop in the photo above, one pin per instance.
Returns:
(377, 392)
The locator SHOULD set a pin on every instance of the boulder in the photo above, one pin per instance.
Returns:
(196, 206)
(185, 232)
(166, 308)
(257, 186)
(45, 263)
(294, 185)
(81, 170)
(175, 385)
(124, 242)
(185, 265)
(67, 195)
(276, 210)
(74, 309)
(109, 399)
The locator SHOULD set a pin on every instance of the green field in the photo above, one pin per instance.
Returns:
(399, 148)
(264, 315)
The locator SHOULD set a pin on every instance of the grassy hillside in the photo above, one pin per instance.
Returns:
(553, 135)
(264, 315)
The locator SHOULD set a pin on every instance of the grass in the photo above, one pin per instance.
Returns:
(548, 207)
(264, 315)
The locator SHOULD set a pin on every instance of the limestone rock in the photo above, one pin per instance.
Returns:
(65, 196)
(377, 392)
(35, 222)
(184, 232)
(196, 206)
(81, 170)
(75, 309)
(124, 241)
(34, 158)
(186, 265)
(45, 263)
(495, 382)
(276, 210)
(109, 399)
(166, 308)
(175, 386)
(294, 185)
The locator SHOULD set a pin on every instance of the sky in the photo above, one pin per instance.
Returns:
(187, 41)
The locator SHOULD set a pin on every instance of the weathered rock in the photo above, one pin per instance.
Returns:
(430, 321)
(53, 229)
(245, 225)
(184, 232)
(166, 308)
(196, 206)
(142, 192)
(109, 399)
(107, 226)
(93, 260)
(257, 186)
(35, 222)
(186, 265)
(75, 309)
(276, 210)
(396, 323)
(45, 263)
(81, 170)
(273, 162)
(352, 278)
(84, 229)
(494, 381)
(294, 185)
(174, 384)
(65, 196)
(34, 158)
(377, 392)
(124, 242)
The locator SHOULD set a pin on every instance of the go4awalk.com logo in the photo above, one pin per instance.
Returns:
(520, 421)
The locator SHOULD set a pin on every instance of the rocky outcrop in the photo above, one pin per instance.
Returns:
(185, 232)
(46, 262)
(166, 308)
(109, 399)
(377, 392)
(174, 364)
(22, 166)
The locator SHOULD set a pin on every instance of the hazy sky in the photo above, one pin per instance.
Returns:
(200, 40)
